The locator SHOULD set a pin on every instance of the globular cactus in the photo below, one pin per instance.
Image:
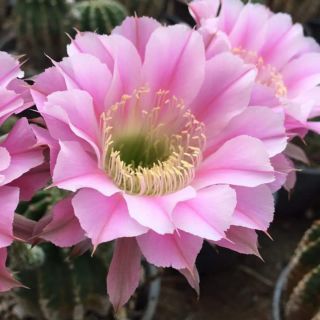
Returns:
(62, 288)
(152, 8)
(41, 27)
(301, 297)
(100, 16)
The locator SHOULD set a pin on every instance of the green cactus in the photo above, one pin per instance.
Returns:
(301, 296)
(304, 301)
(41, 27)
(64, 289)
(151, 8)
(100, 16)
(41, 203)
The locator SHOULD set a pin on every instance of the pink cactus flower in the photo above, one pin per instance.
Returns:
(287, 62)
(19, 152)
(159, 146)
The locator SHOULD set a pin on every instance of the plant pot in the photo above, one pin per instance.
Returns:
(277, 310)
(304, 197)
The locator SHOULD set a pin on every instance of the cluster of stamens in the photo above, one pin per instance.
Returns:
(267, 74)
(151, 151)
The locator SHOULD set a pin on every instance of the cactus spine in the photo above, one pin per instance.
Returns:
(302, 292)
(100, 16)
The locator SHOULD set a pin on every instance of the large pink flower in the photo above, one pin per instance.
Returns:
(19, 152)
(287, 62)
(159, 146)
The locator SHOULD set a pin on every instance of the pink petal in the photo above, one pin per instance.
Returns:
(46, 83)
(10, 102)
(192, 278)
(203, 9)
(241, 240)
(21, 144)
(255, 208)
(32, 181)
(9, 200)
(178, 250)
(7, 282)
(4, 158)
(271, 130)
(104, 218)
(241, 161)
(124, 272)
(64, 229)
(302, 74)
(75, 71)
(156, 212)
(75, 108)
(209, 214)
(215, 41)
(181, 51)
(225, 92)
(229, 13)
(10, 69)
(76, 169)
(118, 54)
(23, 227)
(285, 41)
(283, 168)
(138, 31)
(252, 17)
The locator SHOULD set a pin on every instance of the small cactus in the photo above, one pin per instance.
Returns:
(100, 16)
(301, 296)
(64, 289)
(41, 27)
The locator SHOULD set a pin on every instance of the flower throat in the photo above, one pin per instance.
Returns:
(151, 151)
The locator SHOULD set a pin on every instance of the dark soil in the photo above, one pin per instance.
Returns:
(241, 291)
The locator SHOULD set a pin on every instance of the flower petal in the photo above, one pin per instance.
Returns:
(255, 208)
(208, 215)
(64, 229)
(9, 201)
(76, 169)
(86, 72)
(156, 212)
(138, 31)
(181, 51)
(7, 282)
(124, 272)
(104, 218)
(10, 69)
(178, 250)
(241, 240)
(270, 131)
(225, 92)
(241, 161)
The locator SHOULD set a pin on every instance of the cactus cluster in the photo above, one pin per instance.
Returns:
(41, 27)
(302, 292)
(100, 16)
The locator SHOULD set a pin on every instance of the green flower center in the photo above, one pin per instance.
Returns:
(152, 151)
